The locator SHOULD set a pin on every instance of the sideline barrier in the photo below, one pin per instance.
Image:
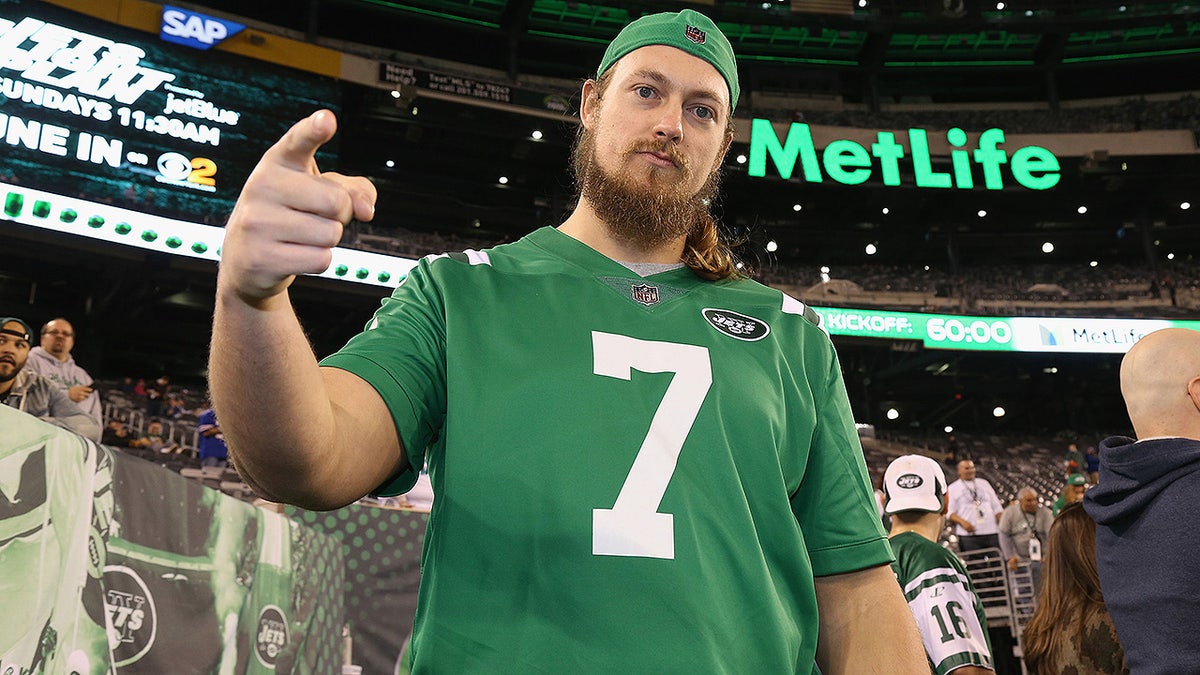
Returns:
(109, 563)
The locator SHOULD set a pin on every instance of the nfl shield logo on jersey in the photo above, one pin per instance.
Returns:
(645, 294)
(694, 34)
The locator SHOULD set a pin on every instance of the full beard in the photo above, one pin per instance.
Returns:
(643, 212)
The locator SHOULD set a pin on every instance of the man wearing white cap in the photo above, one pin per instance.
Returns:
(935, 582)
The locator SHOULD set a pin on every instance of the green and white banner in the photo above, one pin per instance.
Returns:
(112, 564)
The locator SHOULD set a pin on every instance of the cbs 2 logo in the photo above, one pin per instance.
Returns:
(176, 167)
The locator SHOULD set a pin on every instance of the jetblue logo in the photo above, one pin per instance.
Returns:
(736, 325)
(192, 29)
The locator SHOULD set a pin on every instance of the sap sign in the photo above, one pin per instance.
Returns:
(195, 30)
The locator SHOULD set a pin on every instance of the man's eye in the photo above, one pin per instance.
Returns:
(644, 91)
(704, 113)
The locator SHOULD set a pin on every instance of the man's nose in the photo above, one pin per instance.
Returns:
(669, 125)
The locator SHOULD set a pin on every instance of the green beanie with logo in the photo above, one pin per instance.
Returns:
(688, 30)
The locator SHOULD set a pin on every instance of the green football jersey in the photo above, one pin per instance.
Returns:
(631, 474)
(944, 603)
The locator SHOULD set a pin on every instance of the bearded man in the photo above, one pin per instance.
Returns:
(642, 462)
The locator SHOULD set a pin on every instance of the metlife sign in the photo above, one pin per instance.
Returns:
(192, 29)
(989, 333)
(888, 159)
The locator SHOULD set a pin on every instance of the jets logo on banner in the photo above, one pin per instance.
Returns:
(271, 637)
(132, 616)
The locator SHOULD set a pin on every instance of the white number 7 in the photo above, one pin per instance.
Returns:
(633, 526)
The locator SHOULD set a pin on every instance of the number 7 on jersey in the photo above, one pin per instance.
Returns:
(633, 526)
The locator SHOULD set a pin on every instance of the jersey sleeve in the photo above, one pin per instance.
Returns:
(402, 354)
(835, 504)
(944, 607)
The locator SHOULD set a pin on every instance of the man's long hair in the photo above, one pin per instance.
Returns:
(1070, 594)
(704, 252)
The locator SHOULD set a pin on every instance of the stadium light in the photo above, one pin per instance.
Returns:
(948, 428)
(796, 207)
(981, 213)
(1047, 247)
(741, 159)
(536, 135)
(503, 180)
(892, 414)
(1185, 205)
(871, 249)
(886, 210)
(772, 246)
(998, 411)
(1081, 210)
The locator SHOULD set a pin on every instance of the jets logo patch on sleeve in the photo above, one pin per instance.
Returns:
(736, 325)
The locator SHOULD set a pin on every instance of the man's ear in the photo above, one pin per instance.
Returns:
(1194, 391)
(588, 103)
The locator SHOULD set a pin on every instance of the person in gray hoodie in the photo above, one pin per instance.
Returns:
(1148, 532)
(52, 359)
(29, 392)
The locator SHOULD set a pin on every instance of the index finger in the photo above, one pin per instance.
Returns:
(297, 148)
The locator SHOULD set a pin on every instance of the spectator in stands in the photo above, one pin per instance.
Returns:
(156, 396)
(1071, 630)
(174, 407)
(1072, 491)
(25, 390)
(1024, 528)
(212, 441)
(118, 435)
(940, 594)
(156, 440)
(514, 557)
(952, 450)
(1074, 460)
(974, 509)
(1147, 540)
(52, 359)
(1092, 460)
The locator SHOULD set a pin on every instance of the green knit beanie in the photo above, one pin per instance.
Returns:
(688, 30)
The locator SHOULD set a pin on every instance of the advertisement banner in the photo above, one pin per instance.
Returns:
(125, 566)
(995, 333)
(116, 116)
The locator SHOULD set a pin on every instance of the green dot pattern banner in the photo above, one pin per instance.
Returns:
(383, 571)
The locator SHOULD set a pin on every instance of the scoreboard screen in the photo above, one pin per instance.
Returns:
(108, 114)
